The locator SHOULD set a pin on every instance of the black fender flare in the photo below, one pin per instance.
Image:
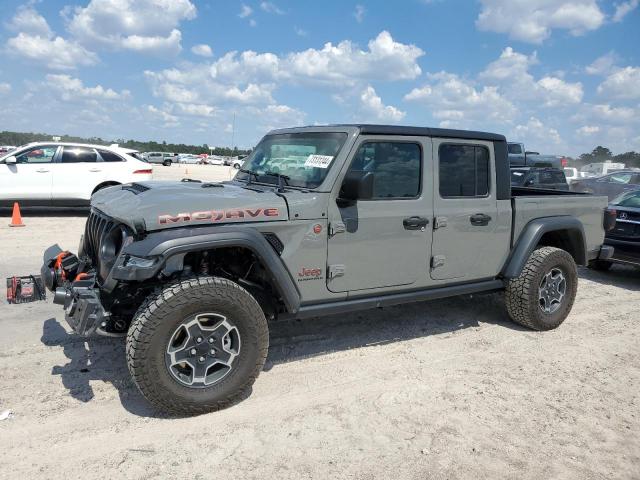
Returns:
(170, 247)
(531, 235)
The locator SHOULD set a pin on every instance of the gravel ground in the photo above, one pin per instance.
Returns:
(447, 389)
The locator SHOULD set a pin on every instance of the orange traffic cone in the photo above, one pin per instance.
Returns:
(16, 218)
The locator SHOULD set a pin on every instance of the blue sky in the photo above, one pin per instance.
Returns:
(560, 75)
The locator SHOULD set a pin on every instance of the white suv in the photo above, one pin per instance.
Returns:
(53, 173)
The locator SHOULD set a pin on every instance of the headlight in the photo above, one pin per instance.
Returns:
(110, 246)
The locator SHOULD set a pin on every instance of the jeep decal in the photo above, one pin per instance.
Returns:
(218, 215)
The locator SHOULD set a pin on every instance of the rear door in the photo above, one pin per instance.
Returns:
(29, 179)
(469, 237)
(385, 241)
(76, 173)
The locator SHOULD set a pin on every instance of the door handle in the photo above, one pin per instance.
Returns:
(42, 170)
(95, 170)
(415, 223)
(480, 219)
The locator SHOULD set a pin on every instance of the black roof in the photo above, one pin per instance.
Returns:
(424, 131)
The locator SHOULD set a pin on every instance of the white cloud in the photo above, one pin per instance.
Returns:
(71, 88)
(457, 101)
(336, 65)
(271, 7)
(511, 72)
(139, 25)
(372, 106)
(587, 130)
(193, 109)
(202, 50)
(359, 13)
(624, 8)
(602, 65)
(168, 119)
(53, 53)
(556, 91)
(532, 21)
(5, 88)
(300, 32)
(27, 20)
(535, 133)
(622, 84)
(343, 63)
(245, 11)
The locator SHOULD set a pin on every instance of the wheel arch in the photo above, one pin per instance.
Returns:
(171, 247)
(565, 232)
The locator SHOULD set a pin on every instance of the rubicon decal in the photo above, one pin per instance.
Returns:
(218, 215)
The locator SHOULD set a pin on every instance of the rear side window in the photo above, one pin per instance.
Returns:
(108, 156)
(550, 177)
(514, 148)
(463, 170)
(79, 155)
(396, 166)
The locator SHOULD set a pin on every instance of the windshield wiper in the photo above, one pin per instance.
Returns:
(249, 173)
(282, 179)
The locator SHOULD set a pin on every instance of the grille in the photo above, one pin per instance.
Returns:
(98, 224)
(627, 215)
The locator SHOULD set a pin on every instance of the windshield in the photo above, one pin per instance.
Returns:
(629, 199)
(305, 158)
(514, 148)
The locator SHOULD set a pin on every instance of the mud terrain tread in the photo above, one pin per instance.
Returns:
(519, 291)
(152, 313)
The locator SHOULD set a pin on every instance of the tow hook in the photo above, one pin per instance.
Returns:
(61, 296)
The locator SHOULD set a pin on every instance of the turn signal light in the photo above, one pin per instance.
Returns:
(149, 170)
(610, 216)
(564, 162)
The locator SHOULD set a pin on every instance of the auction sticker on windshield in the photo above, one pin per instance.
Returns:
(318, 161)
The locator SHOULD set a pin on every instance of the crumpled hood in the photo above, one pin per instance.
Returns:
(158, 205)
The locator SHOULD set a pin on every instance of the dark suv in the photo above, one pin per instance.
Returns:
(531, 177)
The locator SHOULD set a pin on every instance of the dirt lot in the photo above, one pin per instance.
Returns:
(448, 389)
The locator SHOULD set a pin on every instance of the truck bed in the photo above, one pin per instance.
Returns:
(533, 203)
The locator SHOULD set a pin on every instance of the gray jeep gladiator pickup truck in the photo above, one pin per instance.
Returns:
(361, 216)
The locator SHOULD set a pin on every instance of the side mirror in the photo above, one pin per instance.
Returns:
(357, 185)
(11, 160)
(528, 183)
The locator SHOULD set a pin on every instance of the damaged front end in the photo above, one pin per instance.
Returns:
(82, 283)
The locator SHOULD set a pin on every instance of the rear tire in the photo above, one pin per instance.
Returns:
(167, 163)
(542, 296)
(600, 265)
(165, 366)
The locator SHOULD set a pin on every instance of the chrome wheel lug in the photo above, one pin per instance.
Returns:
(193, 351)
(201, 359)
(212, 351)
(199, 339)
(210, 339)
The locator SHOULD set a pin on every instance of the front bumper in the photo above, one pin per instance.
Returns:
(80, 297)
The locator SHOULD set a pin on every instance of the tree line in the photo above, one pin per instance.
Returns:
(602, 154)
(20, 138)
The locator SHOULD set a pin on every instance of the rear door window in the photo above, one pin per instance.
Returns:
(463, 170)
(79, 155)
(108, 156)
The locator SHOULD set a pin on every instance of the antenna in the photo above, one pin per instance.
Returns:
(233, 131)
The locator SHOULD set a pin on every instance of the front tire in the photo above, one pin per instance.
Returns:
(167, 163)
(197, 345)
(542, 296)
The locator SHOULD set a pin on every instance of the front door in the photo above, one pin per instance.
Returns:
(469, 238)
(29, 179)
(385, 241)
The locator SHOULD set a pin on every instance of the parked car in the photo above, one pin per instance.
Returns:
(163, 158)
(374, 219)
(188, 158)
(52, 173)
(237, 163)
(533, 177)
(625, 235)
(599, 169)
(610, 185)
(519, 157)
(215, 160)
